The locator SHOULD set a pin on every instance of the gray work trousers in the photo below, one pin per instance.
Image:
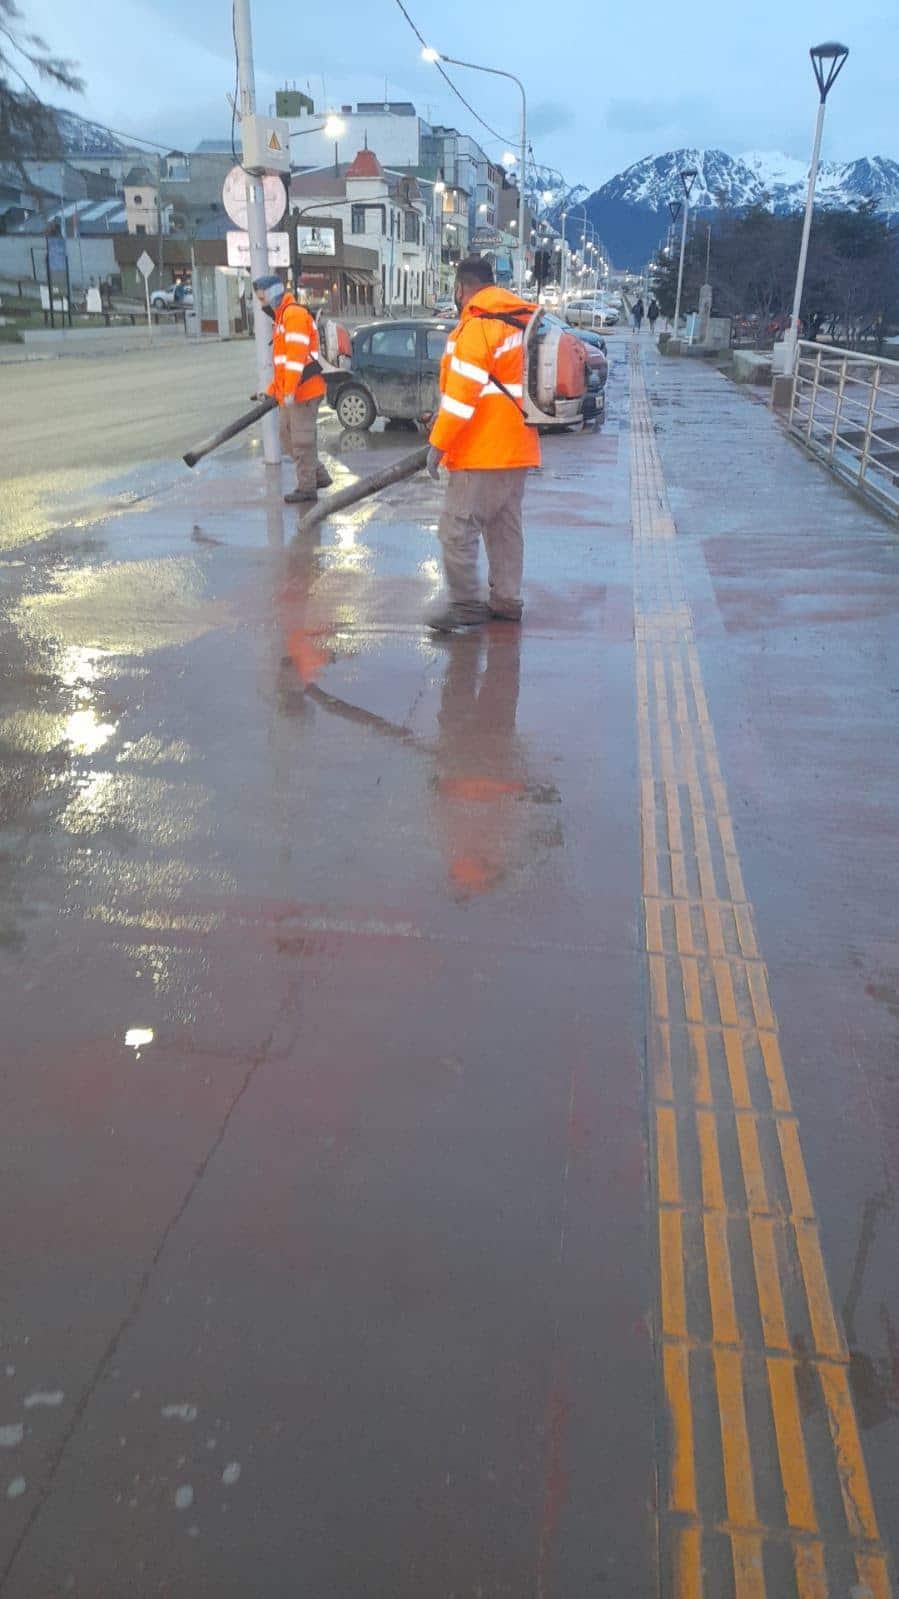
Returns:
(298, 439)
(487, 505)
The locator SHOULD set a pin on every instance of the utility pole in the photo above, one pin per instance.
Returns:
(161, 262)
(256, 227)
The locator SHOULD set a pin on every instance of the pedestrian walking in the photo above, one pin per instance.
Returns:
(297, 385)
(638, 314)
(653, 314)
(480, 435)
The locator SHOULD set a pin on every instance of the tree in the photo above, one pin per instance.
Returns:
(663, 282)
(28, 127)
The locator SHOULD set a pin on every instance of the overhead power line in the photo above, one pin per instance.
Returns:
(448, 80)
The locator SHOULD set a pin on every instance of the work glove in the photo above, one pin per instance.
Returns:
(435, 457)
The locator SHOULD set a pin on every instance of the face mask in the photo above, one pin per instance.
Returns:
(269, 312)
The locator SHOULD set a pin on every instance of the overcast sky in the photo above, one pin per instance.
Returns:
(607, 85)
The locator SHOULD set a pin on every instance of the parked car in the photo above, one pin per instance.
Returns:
(591, 312)
(180, 297)
(445, 308)
(393, 371)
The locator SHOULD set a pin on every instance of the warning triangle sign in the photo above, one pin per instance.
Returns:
(274, 143)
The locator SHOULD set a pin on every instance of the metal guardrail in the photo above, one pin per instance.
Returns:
(845, 410)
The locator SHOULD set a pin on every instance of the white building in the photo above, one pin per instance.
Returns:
(384, 211)
(146, 211)
(393, 128)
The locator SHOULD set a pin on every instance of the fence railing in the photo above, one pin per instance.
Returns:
(845, 410)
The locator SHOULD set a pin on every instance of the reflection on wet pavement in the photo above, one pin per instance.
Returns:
(326, 1142)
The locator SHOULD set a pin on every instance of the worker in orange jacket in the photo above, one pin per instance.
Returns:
(297, 385)
(481, 437)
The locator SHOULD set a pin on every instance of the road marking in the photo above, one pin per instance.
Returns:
(717, 1076)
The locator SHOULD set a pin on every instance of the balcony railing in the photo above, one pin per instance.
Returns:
(845, 410)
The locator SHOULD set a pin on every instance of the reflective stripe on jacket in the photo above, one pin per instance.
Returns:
(294, 343)
(478, 427)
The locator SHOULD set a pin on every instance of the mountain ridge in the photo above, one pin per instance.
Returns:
(630, 210)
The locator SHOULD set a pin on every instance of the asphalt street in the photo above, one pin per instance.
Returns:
(81, 435)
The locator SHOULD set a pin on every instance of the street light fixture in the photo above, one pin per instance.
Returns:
(687, 177)
(827, 63)
(333, 127)
(430, 54)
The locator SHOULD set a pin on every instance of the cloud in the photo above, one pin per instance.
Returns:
(649, 116)
(549, 116)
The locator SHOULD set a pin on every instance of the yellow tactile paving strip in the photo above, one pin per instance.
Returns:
(758, 1497)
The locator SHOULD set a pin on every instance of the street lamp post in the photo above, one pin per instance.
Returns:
(827, 62)
(688, 178)
(430, 54)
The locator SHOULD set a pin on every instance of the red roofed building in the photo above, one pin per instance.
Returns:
(390, 212)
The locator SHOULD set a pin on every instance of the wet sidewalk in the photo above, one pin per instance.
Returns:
(375, 1163)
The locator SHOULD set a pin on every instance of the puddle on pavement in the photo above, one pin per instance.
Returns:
(123, 608)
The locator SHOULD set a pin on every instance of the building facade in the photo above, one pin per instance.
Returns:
(383, 211)
(393, 128)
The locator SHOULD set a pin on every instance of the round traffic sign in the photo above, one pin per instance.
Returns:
(234, 197)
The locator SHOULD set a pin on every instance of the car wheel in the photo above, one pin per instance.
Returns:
(158, 302)
(355, 408)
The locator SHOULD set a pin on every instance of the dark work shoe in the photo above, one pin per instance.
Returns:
(323, 478)
(447, 618)
(301, 497)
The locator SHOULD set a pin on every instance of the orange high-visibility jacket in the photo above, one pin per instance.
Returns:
(478, 427)
(294, 343)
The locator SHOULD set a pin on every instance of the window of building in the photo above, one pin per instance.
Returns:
(139, 228)
(368, 219)
(410, 233)
(138, 199)
(398, 343)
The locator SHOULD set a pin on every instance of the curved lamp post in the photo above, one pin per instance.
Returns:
(432, 55)
(827, 63)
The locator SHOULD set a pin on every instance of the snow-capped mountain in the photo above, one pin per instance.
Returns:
(627, 210)
(721, 181)
(84, 138)
(784, 180)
